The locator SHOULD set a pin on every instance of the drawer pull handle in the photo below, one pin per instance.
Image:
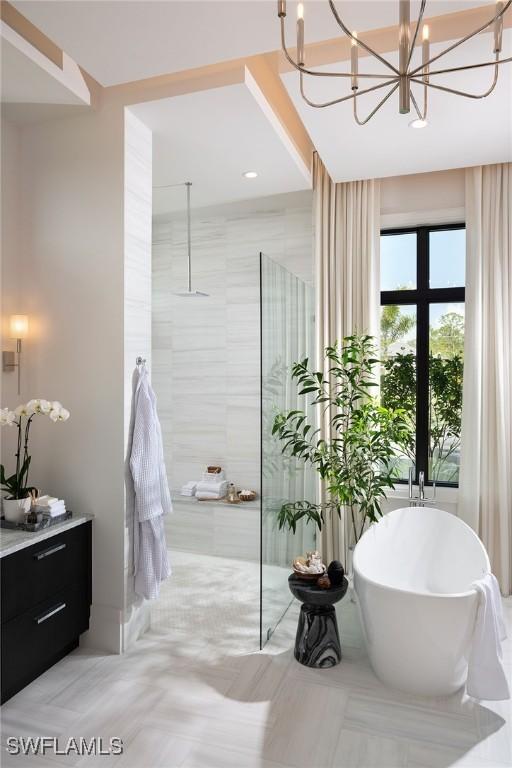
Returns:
(49, 551)
(50, 613)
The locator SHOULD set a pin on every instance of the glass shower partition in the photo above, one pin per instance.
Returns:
(287, 336)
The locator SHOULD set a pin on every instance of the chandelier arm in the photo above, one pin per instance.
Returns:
(420, 115)
(360, 42)
(306, 71)
(420, 17)
(462, 40)
(463, 93)
(343, 98)
(379, 105)
(470, 66)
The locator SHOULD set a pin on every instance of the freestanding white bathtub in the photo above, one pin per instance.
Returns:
(413, 572)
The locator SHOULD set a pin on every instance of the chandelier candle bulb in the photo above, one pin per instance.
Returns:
(404, 11)
(300, 34)
(425, 52)
(498, 28)
(354, 61)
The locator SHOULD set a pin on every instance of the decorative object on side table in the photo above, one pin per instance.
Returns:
(317, 643)
(309, 568)
(17, 504)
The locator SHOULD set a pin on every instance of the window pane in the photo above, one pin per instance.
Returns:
(398, 371)
(398, 262)
(447, 258)
(446, 335)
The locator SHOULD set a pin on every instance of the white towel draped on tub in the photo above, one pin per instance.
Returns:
(486, 676)
(152, 497)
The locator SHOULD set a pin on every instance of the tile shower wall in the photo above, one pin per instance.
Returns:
(206, 351)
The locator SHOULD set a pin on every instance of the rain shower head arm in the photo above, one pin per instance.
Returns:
(188, 184)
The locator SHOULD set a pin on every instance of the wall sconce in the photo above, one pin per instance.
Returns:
(18, 326)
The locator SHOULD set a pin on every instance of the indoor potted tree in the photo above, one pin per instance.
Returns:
(357, 458)
(17, 502)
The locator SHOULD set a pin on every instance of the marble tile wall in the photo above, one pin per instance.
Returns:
(214, 528)
(206, 351)
(137, 328)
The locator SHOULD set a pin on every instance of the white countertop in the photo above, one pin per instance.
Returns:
(13, 539)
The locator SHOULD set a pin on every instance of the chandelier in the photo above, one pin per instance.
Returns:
(405, 75)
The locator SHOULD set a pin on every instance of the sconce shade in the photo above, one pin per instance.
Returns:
(19, 326)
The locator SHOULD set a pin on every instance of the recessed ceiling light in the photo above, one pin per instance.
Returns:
(249, 174)
(418, 123)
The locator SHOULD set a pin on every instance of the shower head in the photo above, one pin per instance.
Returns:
(191, 293)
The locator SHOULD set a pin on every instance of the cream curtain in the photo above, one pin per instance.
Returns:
(347, 233)
(485, 487)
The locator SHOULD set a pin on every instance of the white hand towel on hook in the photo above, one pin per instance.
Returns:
(486, 676)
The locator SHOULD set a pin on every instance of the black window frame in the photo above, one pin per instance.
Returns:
(422, 297)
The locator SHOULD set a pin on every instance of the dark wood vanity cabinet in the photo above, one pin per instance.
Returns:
(46, 599)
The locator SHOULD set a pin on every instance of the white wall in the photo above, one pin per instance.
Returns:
(72, 192)
(137, 327)
(11, 296)
(84, 308)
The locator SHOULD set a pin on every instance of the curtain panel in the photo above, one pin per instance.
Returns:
(347, 235)
(485, 486)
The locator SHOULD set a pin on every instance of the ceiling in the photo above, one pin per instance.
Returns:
(28, 77)
(24, 81)
(461, 131)
(119, 41)
(210, 138)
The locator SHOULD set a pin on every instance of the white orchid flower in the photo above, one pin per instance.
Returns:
(39, 406)
(22, 410)
(58, 414)
(7, 417)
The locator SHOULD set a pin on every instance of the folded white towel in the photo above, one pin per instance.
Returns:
(486, 676)
(219, 488)
(214, 477)
(57, 510)
(49, 501)
(189, 489)
(51, 506)
(207, 495)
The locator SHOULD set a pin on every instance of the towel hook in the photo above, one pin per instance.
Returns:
(140, 361)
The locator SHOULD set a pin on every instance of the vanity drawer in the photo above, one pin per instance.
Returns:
(38, 572)
(38, 638)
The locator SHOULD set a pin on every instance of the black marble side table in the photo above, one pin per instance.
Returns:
(317, 643)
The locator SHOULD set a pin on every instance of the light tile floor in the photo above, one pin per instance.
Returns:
(187, 696)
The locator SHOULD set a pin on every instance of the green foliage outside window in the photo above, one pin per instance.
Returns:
(398, 386)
